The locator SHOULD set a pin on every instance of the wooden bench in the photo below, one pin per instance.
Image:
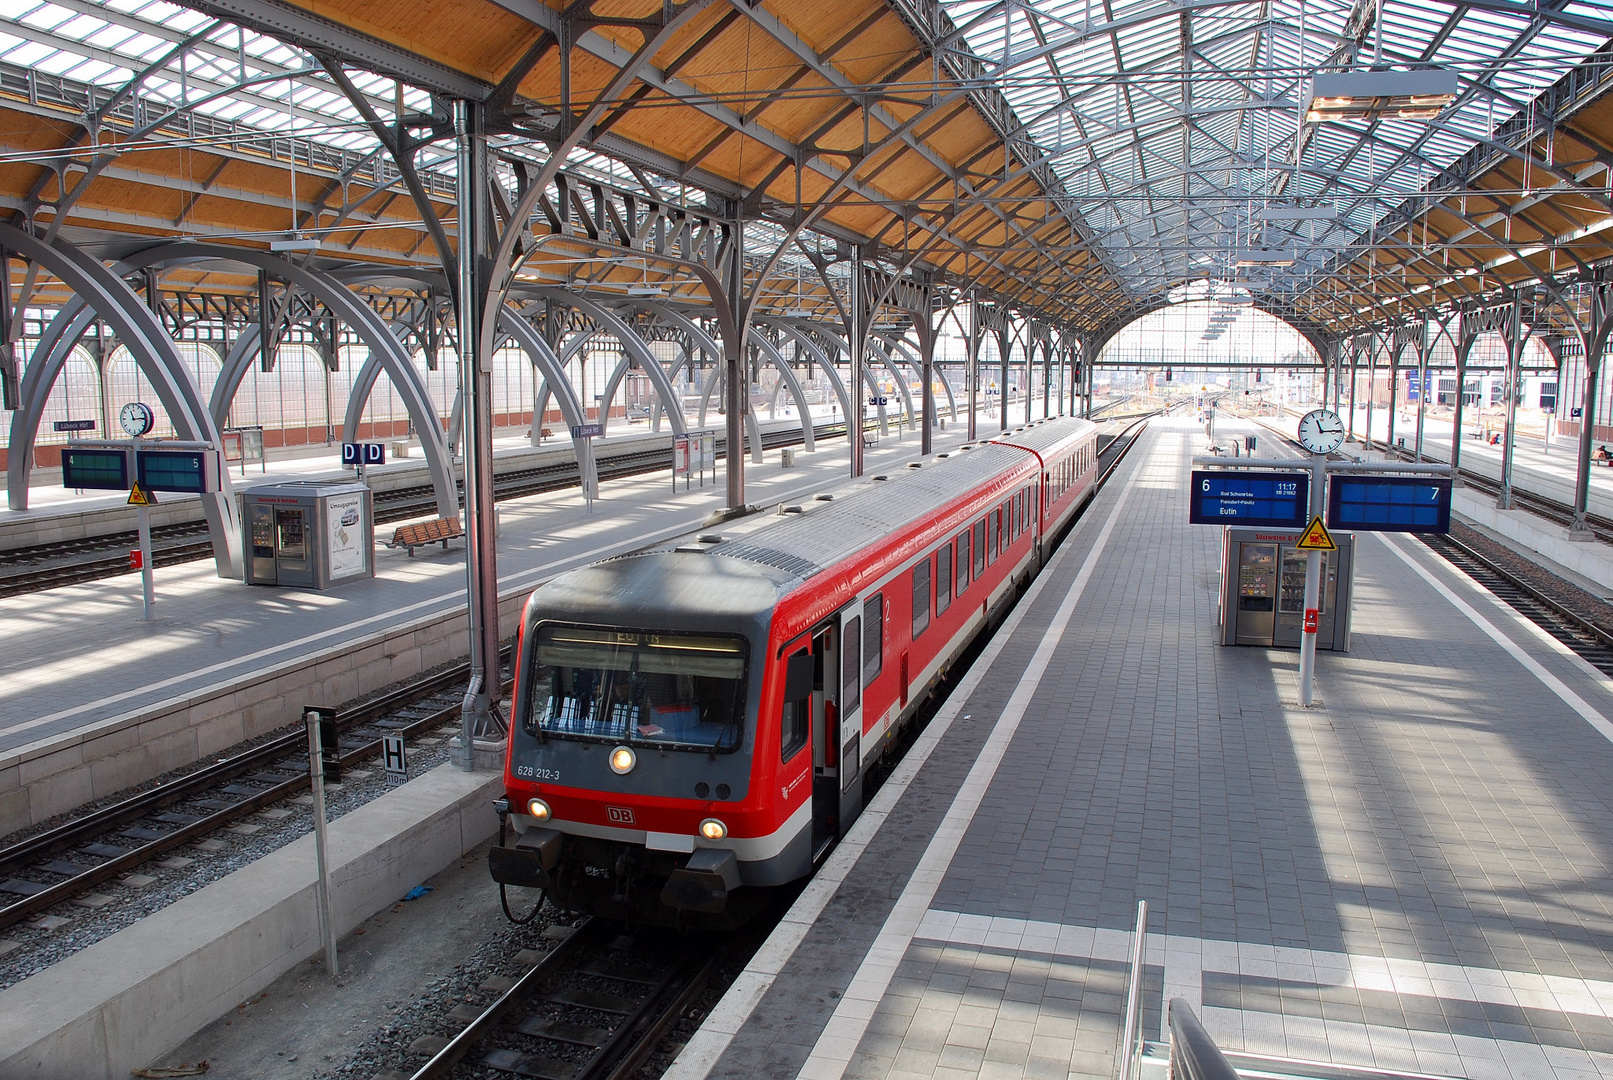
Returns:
(427, 532)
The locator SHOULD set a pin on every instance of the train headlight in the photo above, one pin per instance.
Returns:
(712, 829)
(622, 760)
(538, 809)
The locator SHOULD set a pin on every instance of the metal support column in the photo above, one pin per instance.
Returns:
(1005, 347)
(1355, 358)
(927, 335)
(1394, 389)
(1464, 346)
(1595, 346)
(1422, 393)
(856, 334)
(1515, 342)
(736, 381)
(1372, 384)
(972, 367)
(481, 722)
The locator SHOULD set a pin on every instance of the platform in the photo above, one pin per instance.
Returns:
(93, 699)
(1412, 875)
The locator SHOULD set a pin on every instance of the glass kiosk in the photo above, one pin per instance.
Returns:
(310, 534)
(1263, 589)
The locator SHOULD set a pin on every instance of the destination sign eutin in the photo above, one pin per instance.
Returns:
(1264, 499)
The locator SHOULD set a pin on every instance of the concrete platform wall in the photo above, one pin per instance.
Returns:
(132, 997)
(57, 774)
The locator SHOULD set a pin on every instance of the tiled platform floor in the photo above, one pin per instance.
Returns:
(1413, 875)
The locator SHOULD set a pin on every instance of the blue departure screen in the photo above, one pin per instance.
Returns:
(95, 468)
(1272, 500)
(1390, 503)
(174, 470)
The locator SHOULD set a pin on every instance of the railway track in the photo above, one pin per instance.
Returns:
(1585, 636)
(65, 862)
(71, 562)
(593, 1008)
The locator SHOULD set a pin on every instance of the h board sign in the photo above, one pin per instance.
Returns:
(393, 756)
(363, 453)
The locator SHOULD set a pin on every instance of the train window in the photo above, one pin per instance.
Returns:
(980, 547)
(669, 690)
(921, 597)
(873, 636)
(963, 561)
(943, 578)
(851, 665)
(796, 724)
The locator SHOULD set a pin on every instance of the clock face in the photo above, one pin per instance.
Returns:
(137, 418)
(1321, 431)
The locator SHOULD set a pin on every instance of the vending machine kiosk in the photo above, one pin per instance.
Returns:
(310, 534)
(1263, 589)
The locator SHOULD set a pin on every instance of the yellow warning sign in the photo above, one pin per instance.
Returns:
(1316, 537)
(139, 496)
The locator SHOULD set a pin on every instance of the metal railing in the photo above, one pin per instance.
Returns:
(1194, 1055)
(1131, 1043)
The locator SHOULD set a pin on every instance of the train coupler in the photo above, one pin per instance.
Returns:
(530, 862)
(703, 883)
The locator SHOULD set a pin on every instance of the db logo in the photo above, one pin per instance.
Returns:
(619, 815)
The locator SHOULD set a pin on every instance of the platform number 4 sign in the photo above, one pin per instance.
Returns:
(393, 757)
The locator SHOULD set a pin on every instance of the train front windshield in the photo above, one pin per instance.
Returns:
(673, 690)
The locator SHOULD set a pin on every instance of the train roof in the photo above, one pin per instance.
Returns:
(699, 582)
(829, 531)
(1042, 435)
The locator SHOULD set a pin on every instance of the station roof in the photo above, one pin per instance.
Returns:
(1084, 161)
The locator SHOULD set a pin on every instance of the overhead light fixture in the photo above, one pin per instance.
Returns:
(797, 313)
(295, 243)
(1371, 95)
(644, 290)
(1266, 257)
(1298, 213)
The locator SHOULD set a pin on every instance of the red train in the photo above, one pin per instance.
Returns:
(693, 722)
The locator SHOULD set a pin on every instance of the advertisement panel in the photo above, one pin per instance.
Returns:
(344, 541)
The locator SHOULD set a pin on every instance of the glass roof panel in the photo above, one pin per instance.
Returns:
(1132, 144)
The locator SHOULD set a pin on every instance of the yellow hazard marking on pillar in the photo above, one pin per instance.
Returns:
(1316, 537)
(139, 496)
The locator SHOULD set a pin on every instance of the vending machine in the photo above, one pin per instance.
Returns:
(1263, 589)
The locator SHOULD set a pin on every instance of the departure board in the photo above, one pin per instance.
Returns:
(1276, 500)
(193, 471)
(95, 468)
(1390, 503)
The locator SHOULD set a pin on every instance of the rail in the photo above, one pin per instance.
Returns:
(251, 764)
(1194, 1055)
(1131, 1044)
(620, 1035)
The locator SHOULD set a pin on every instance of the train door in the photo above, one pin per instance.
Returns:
(825, 710)
(849, 729)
